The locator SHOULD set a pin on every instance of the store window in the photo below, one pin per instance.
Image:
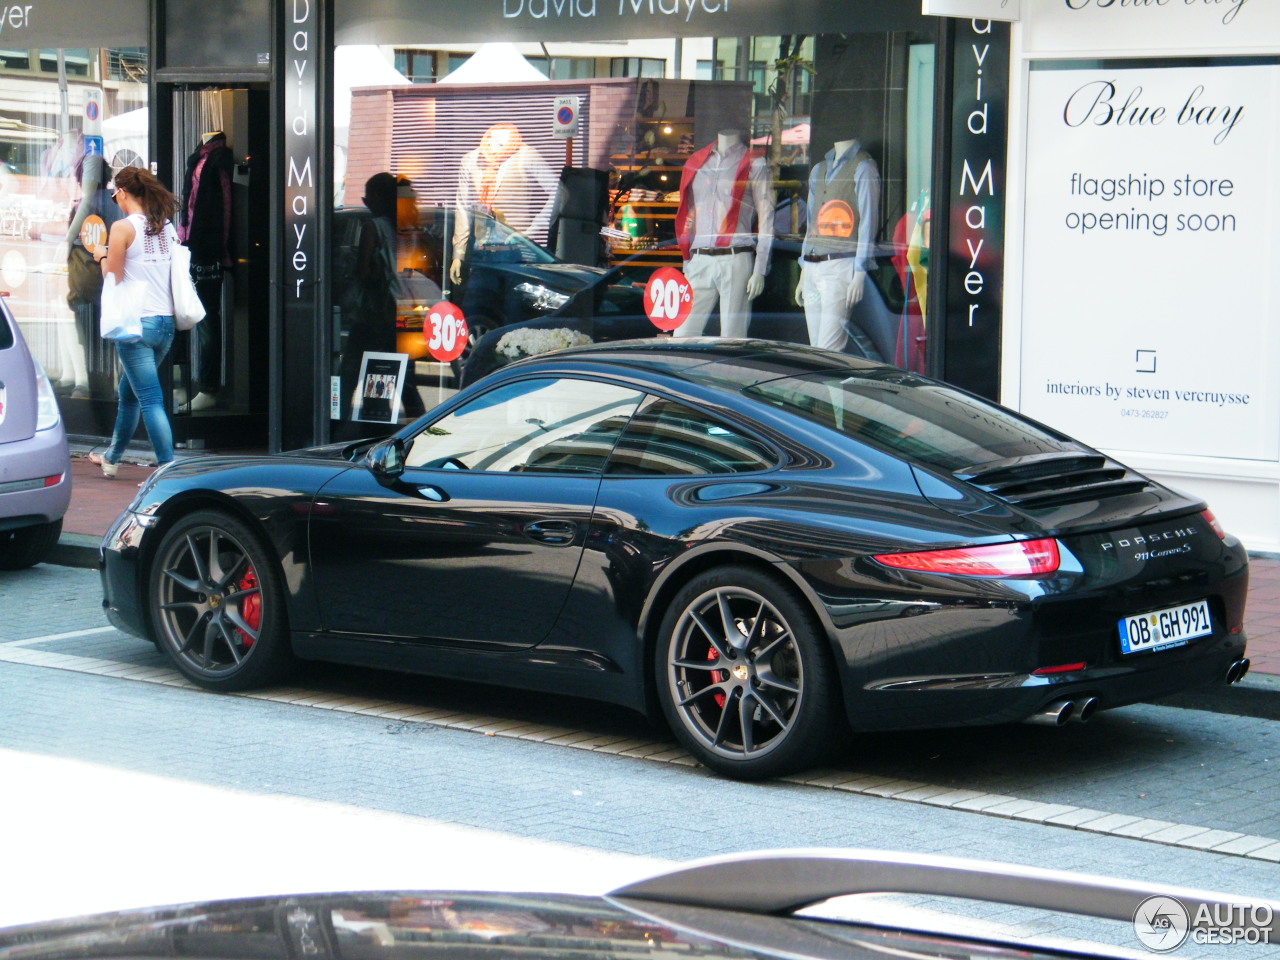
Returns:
(770, 186)
(418, 66)
(15, 59)
(67, 125)
(637, 67)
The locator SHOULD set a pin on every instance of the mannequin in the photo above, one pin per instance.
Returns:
(86, 232)
(843, 210)
(503, 179)
(724, 225)
(206, 229)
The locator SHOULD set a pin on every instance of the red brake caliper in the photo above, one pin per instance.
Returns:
(251, 607)
(717, 676)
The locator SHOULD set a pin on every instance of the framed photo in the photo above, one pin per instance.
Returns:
(377, 394)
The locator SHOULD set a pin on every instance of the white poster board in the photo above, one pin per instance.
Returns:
(1191, 27)
(1150, 308)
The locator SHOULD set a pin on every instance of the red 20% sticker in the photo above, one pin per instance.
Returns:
(667, 298)
(448, 333)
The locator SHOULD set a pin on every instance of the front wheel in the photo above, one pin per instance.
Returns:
(215, 602)
(744, 676)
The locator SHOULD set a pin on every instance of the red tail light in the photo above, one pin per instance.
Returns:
(1024, 558)
(1212, 521)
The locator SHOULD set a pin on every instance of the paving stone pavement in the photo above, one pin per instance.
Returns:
(1217, 769)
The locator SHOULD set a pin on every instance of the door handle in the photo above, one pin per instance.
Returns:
(430, 492)
(557, 533)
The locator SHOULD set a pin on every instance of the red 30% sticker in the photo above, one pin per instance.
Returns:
(93, 232)
(447, 332)
(667, 298)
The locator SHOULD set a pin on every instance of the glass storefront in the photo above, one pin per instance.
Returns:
(68, 117)
(499, 199)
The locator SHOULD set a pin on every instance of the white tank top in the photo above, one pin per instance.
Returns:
(147, 259)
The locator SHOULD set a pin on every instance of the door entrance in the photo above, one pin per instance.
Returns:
(220, 149)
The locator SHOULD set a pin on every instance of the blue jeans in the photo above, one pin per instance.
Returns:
(139, 392)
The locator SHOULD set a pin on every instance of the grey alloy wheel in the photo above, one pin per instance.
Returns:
(744, 679)
(215, 603)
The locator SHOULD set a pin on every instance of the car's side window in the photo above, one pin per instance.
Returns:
(547, 425)
(666, 438)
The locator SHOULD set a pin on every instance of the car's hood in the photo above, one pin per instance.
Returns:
(564, 277)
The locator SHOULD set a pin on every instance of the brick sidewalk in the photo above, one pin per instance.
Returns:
(95, 502)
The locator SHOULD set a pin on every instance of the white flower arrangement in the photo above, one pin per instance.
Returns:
(528, 342)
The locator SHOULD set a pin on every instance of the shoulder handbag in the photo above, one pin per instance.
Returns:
(187, 308)
(121, 315)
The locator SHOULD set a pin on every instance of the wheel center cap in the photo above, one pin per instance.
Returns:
(740, 672)
(214, 600)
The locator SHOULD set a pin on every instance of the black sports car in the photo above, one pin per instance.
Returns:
(767, 544)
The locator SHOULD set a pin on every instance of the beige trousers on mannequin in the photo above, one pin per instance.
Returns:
(720, 280)
(826, 300)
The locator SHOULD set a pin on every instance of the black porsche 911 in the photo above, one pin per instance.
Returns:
(767, 544)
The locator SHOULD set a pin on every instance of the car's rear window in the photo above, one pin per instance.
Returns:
(919, 420)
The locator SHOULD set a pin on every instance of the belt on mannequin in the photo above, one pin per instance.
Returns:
(721, 251)
(824, 257)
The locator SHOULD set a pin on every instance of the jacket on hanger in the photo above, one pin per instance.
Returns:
(206, 203)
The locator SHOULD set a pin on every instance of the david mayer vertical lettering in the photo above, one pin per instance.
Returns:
(300, 180)
(975, 258)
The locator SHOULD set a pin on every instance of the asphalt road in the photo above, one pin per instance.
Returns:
(125, 786)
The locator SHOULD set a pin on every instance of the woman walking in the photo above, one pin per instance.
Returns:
(139, 247)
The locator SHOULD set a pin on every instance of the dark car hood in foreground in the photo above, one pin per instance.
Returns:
(734, 907)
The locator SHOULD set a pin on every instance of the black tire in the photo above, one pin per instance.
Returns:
(762, 704)
(476, 330)
(27, 546)
(216, 605)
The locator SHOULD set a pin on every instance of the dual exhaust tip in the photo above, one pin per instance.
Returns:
(1237, 671)
(1060, 711)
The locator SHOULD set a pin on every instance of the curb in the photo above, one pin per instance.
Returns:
(76, 550)
(1257, 695)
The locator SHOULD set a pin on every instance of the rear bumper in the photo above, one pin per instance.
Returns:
(932, 661)
(993, 698)
(43, 455)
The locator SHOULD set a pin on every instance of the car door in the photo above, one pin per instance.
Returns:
(479, 539)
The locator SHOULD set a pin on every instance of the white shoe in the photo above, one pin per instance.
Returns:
(203, 401)
(108, 468)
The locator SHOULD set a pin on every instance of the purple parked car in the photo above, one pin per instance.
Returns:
(35, 467)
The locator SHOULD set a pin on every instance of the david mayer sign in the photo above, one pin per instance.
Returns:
(300, 112)
(979, 134)
(1149, 316)
(392, 21)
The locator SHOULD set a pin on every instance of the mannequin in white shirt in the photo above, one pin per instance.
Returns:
(724, 140)
(726, 262)
(842, 148)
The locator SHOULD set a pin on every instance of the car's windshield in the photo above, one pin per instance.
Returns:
(913, 417)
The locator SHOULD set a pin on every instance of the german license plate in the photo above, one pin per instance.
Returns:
(1162, 629)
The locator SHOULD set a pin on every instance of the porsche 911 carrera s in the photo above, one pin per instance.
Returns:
(767, 545)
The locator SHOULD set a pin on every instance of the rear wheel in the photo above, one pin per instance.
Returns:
(28, 546)
(744, 676)
(216, 606)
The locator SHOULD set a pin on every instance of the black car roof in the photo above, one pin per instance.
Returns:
(715, 360)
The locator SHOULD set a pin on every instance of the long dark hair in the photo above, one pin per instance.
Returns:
(158, 204)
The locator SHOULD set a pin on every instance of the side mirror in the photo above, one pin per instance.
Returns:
(386, 459)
